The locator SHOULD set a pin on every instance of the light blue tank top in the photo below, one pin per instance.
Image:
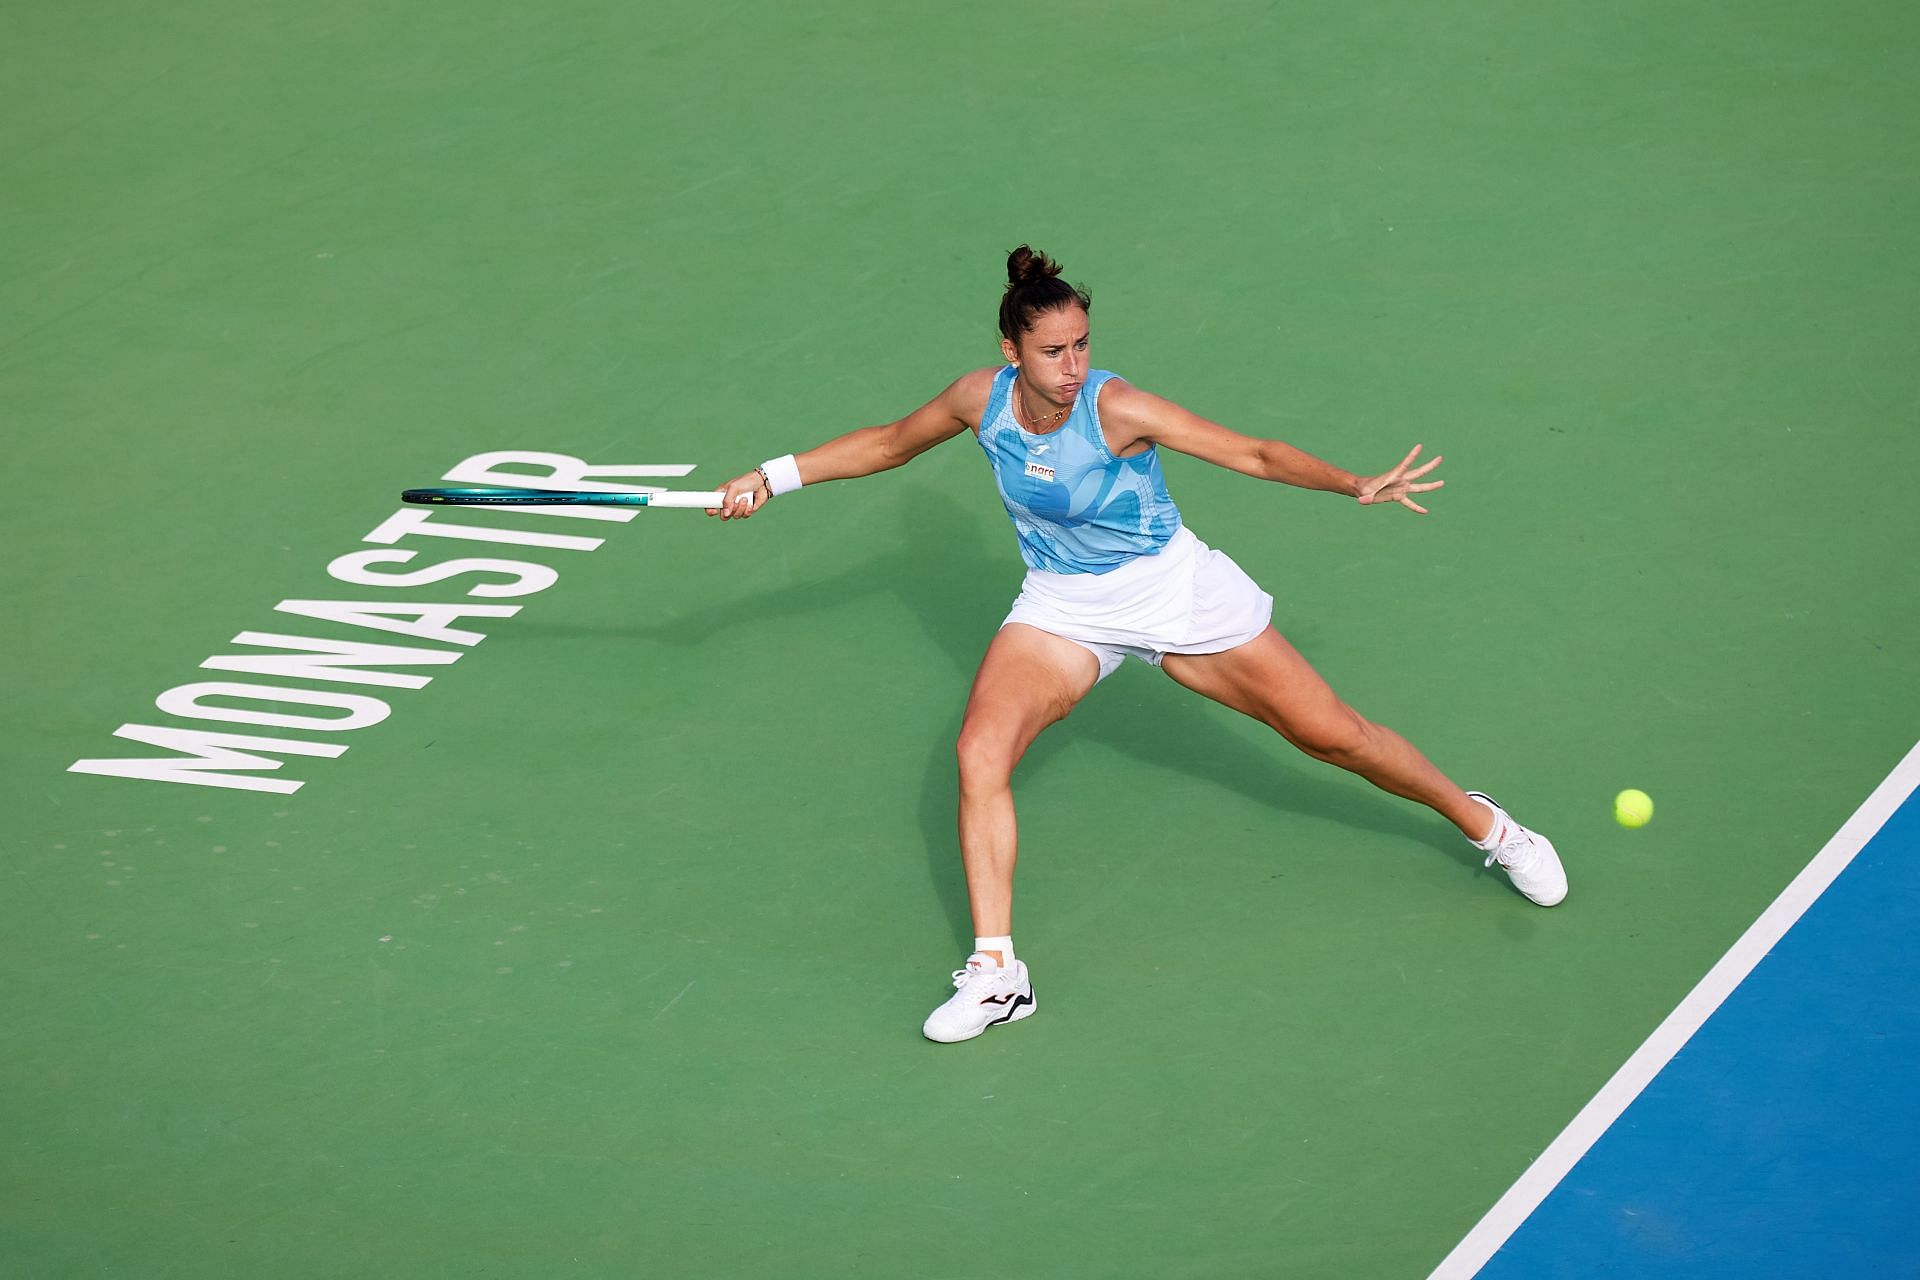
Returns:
(1075, 506)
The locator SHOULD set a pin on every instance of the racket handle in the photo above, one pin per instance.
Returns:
(687, 498)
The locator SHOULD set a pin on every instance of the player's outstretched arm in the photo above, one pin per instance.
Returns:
(1131, 415)
(868, 450)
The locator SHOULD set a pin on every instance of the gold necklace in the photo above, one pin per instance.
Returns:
(1043, 420)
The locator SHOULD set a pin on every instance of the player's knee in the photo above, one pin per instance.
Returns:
(1345, 740)
(986, 757)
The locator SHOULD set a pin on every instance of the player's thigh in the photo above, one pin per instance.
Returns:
(1028, 679)
(1268, 679)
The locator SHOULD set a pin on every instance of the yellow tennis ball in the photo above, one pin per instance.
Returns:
(1633, 808)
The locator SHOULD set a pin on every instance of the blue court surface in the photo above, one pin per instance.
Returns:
(1783, 1138)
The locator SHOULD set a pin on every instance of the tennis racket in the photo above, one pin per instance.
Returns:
(699, 500)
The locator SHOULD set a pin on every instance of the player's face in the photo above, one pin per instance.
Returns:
(1053, 354)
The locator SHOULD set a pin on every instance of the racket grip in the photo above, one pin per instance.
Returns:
(687, 498)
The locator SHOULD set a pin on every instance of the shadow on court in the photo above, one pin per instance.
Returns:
(951, 579)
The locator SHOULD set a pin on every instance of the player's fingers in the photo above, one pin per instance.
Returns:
(1411, 505)
(1431, 463)
(731, 504)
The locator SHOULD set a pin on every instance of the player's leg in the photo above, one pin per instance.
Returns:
(1028, 680)
(1268, 679)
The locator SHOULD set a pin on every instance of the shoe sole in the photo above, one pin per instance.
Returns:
(1021, 1009)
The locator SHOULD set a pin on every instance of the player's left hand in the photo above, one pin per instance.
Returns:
(1398, 484)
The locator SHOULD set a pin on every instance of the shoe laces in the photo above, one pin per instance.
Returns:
(1515, 851)
(973, 973)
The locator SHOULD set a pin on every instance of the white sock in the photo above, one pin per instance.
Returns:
(1491, 841)
(1003, 945)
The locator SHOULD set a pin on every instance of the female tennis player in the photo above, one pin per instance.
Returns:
(1113, 570)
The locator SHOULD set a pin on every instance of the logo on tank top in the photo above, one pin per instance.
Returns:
(1037, 472)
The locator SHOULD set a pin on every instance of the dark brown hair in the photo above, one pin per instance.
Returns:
(1034, 287)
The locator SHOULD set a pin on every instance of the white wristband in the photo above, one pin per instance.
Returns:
(783, 474)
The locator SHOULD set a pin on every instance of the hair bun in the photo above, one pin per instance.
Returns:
(1033, 287)
(1026, 264)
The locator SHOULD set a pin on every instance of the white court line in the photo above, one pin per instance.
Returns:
(1544, 1174)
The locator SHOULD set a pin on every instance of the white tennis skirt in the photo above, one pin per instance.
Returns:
(1188, 599)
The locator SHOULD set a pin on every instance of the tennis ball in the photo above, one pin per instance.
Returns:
(1633, 808)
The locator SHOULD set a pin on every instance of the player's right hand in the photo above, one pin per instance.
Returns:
(743, 496)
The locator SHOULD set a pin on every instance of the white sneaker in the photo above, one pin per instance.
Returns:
(1526, 856)
(985, 995)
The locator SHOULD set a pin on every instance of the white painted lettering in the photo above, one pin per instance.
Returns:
(208, 752)
(429, 620)
(318, 659)
(361, 710)
(212, 759)
(357, 567)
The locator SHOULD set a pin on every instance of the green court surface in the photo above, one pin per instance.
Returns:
(605, 953)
